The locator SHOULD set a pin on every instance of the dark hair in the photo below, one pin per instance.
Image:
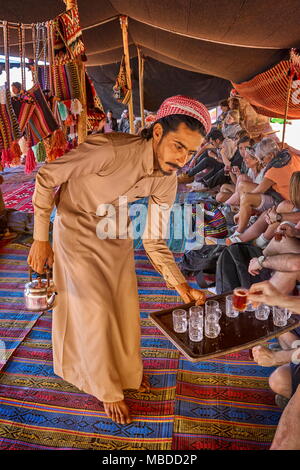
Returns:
(224, 103)
(17, 85)
(242, 133)
(245, 138)
(215, 134)
(171, 123)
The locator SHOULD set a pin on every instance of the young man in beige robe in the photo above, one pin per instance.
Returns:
(96, 321)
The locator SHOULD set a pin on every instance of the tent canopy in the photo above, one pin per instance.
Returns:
(230, 39)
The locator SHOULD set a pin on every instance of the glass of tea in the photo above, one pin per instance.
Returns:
(240, 299)
(278, 236)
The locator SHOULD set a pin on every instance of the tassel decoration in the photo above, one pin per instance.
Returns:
(30, 163)
(69, 121)
(76, 107)
(58, 145)
(63, 111)
(16, 153)
(40, 152)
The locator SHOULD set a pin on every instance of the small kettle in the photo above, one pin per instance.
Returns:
(39, 293)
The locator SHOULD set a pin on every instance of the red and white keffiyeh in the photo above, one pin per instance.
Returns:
(180, 104)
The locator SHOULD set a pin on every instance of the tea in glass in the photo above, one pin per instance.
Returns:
(240, 299)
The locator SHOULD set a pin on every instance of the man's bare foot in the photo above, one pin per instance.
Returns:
(145, 384)
(118, 412)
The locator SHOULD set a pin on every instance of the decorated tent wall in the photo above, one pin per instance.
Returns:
(161, 81)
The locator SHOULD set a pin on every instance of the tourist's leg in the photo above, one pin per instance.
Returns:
(287, 436)
(248, 202)
(255, 229)
(280, 381)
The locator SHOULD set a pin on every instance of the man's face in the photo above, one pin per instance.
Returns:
(173, 150)
(268, 158)
(224, 109)
(109, 115)
(242, 148)
(15, 90)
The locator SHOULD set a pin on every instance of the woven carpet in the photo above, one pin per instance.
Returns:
(20, 198)
(15, 322)
(217, 404)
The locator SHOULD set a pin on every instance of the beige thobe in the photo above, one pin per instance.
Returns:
(96, 322)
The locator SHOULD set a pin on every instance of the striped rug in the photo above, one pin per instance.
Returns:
(221, 404)
(15, 322)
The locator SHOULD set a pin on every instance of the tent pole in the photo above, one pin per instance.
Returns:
(70, 4)
(141, 83)
(287, 108)
(124, 28)
(6, 52)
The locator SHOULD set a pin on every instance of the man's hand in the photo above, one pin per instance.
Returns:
(288, 230)
(236, 218)
(271, 215)
(254, 267)
(265, 293)
(236, 171)
(188, 294)
(41, 253)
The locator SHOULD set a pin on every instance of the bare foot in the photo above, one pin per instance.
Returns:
(267, 358)
(145, 384)
(118, 412)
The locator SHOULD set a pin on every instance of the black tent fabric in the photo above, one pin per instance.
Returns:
(230, 39)
(161, 81)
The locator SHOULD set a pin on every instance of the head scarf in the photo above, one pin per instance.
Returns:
(280, 160)
(180, 104)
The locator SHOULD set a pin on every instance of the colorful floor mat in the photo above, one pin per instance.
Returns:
(19, 198)
(15, 322)
(221, 404)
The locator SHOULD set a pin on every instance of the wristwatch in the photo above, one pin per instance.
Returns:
(278, 217)
(260, 260)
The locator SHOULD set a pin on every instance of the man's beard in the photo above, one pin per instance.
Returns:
(164, 172)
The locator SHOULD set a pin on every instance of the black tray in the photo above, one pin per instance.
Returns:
(239, 333)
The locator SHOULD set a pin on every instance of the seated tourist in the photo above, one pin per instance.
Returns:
(285, 381)
(231, 124)
(286, 272)
(242, 181)
(225, 155)
(222, 176)
(224, 105)
(263, 230)
(279, 167)
(183, 173)
(254, 123)
(210, 161)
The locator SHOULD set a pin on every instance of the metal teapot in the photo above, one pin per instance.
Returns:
(39, 293)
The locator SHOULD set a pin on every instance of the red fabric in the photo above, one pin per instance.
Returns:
(268, 91)
(30, 163)
(180, 104)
